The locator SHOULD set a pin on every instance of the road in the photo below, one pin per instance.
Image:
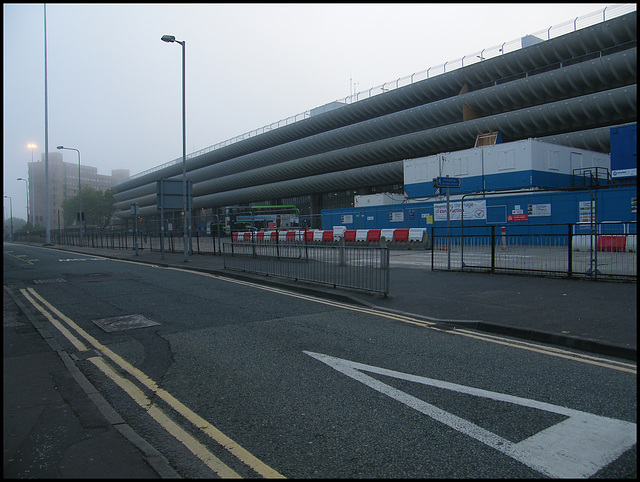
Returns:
(229, 378)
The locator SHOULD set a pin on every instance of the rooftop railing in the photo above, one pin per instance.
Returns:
(564, 28)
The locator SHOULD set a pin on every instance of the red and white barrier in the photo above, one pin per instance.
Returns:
(613, 243)
(395, 235)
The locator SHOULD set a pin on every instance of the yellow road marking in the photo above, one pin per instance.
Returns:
(550, 351)
(74, 341)
(169, 425)
(211, 431)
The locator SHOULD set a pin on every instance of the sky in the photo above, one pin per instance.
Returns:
(114, 89)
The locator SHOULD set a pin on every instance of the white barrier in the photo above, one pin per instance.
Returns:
(417, 234)
(387, 234)
(632, 244)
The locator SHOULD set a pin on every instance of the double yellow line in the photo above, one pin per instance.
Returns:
(190, 442)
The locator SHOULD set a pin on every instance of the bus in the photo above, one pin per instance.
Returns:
(260, 218)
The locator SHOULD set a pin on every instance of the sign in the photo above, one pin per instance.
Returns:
(587, 212)
(346, 219)
(539, 210)
(170, 195)
(624, 172)
(472, 210)
(517, 217)
(448, 182)
(397, 217)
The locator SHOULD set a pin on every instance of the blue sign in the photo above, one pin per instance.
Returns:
(448, 182)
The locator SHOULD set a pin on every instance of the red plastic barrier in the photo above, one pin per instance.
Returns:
(309, 236)
(327, 235)
(350, 235)
(260, 236)
(401, 235)
(247, 236)
(291, 235)
(274, 235)
(234, 236)
(373, 235)
(611, 243)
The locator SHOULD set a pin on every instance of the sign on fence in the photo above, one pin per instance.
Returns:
(472, 210)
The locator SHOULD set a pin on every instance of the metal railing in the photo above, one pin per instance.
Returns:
(609, 252)
(569, 26)
(358, 268)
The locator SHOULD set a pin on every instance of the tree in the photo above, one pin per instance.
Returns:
(96, 205)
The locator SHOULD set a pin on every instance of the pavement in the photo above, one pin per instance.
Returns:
(56, 425)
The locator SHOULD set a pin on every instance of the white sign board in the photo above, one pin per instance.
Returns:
(472, 210)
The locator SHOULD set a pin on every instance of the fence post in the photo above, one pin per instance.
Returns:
(570, 253)
(433, 246)
(493, 248)
(385, 253)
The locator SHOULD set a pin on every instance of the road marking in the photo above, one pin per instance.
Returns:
(431, 324)
(80, 259)
(78, 345)
(169, 425)
(20, 257)
(212, 432)
(577, 447)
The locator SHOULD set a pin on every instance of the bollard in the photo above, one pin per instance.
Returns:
(504, 238)
(342, 261)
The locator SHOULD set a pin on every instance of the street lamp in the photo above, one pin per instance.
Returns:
(187, 214)
(32, 147)
(26, 186)
(79, 188)
(11, 219)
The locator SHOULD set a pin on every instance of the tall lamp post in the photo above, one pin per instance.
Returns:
(26, 186)
(32, 147)
(79, 189)
(11, 217)
(187, 214)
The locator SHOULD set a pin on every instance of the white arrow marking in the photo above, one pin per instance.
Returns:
(80, 259)
(575, 448)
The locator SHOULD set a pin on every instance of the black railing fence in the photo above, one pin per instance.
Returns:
(603, 250)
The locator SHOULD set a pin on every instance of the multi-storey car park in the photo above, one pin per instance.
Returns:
(562, 111)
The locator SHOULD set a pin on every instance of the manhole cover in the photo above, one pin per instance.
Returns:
(127, 322)
(50, 280)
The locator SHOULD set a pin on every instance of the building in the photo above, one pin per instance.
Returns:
(63, 184)
(569, 90)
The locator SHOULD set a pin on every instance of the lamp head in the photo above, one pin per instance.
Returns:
(168, 38)
(60, 147)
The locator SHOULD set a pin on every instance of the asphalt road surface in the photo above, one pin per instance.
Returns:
(228, 378)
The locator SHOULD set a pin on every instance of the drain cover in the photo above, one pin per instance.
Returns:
(121, 323)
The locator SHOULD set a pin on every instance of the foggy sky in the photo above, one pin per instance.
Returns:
(115, 89)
